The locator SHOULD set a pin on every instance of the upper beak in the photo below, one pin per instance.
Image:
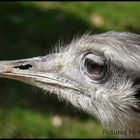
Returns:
(19, 69)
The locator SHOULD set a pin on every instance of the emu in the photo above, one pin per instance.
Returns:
(97, 73)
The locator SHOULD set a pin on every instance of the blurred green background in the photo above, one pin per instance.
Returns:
(29, 29)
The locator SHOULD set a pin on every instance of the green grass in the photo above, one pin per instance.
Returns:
(23, 123)
(30, 29)
(121, 16)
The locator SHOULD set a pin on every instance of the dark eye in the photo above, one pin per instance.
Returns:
(94, 67)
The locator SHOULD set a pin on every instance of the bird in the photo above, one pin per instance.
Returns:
(97, 73)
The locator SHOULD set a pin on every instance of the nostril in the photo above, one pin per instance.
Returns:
(24, 67)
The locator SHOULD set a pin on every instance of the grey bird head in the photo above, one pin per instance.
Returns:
(99, 74)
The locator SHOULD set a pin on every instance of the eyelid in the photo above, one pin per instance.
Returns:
(99, 59)
(96, 58)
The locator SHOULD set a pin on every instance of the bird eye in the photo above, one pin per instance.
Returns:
(93, 67)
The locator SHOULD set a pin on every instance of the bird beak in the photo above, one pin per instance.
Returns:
(34, 71)
(21, 70)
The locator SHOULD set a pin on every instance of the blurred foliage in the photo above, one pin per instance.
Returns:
(29, 29)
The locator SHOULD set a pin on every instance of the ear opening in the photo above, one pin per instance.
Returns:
(136, 84)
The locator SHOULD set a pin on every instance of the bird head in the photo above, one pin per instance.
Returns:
(99, 74)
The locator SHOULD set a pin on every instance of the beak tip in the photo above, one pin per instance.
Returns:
(3, 68)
